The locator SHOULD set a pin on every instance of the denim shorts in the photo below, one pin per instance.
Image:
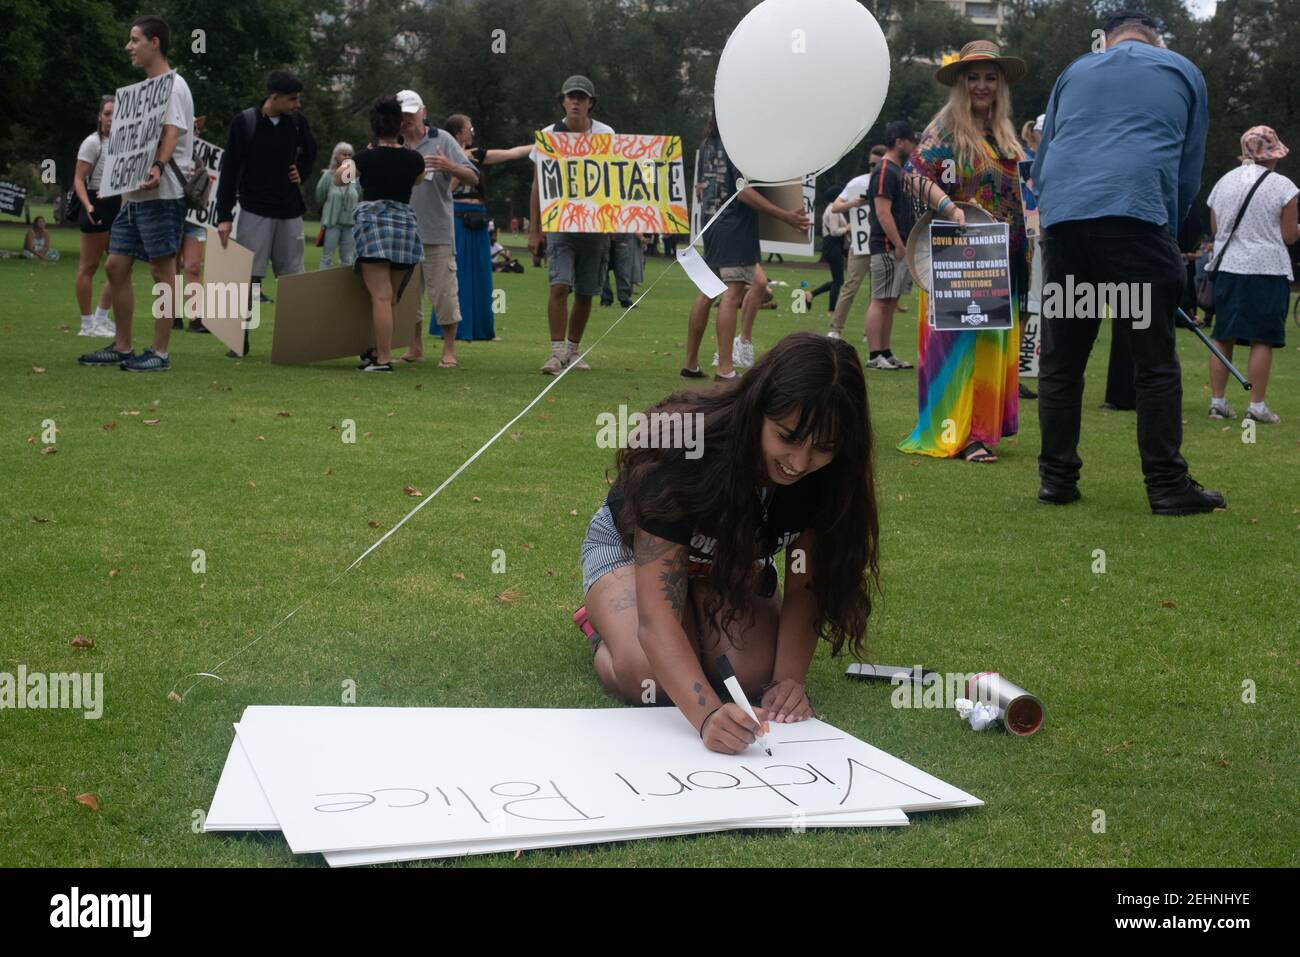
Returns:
(578, 260)
(148, 230)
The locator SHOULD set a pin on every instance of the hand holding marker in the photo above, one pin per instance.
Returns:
(738, 696)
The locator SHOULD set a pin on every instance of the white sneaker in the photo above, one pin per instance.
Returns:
(715, 358)
(1268, 416)
(1221, 410)
(882, 363)
(89, 327)
(106, 327)
(554, 365)
(742, 354)
(575, 360)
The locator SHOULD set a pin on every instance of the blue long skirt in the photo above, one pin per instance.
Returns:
(473, 279)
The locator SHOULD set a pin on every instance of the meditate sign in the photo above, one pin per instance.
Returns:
(611, 183)
(137, 128)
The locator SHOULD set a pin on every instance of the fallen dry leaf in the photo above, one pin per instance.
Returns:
(329, 471)
(112, 573)
(526, 547)
(550, 398)
(459, 576)
(510, 594)
(1252, 521)
(49, 450)
(419, 386)
(544, 416)
(38, 370)
(260, 438)
(573, 511)
(252, 484)
(129, 412)
(284, 415)
(81, 641)
(39, 519)
(518, 852)
(173, 696)
(89, 800)
(372, 523)
(550, 573)
(412, 491)
(366, 435)
(1168, 603)
(476, 499)
(31, 440)
(389, 415)
(332, 428)
(516, 436)
(109, 426)
(232, 418)
(152, 421)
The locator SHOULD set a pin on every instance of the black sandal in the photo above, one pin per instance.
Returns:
(977, 452)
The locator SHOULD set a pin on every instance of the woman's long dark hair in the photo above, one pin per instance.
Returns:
(821, 380)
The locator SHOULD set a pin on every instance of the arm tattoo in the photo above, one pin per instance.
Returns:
(647, 548)
(674, 581)
(699, 690)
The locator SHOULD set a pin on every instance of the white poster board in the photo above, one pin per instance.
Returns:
(137, 127)
(209, 155)
(240, 805)
(859, 229)
(353, 778)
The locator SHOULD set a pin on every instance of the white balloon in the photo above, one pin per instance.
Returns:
(799, 84)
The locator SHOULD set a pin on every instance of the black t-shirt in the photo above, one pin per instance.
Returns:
(733, 239)
(388, 172)
(887, 182)
(789, 510)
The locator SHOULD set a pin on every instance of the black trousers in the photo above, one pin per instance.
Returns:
(833, 253)
(1113, 249)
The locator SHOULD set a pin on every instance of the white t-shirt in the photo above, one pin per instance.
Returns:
(856, 187)
(180, 114)
(596, 127)
(91, 151)
(1257, 248)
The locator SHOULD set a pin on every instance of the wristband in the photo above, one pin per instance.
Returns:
(942, 203)
(162, 167)
(706, 720)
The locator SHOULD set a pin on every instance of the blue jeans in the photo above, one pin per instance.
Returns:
(338, 238)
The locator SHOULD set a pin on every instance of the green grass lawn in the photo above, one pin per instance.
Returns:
(1141, 668)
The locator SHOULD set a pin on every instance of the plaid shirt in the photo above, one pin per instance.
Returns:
(387, 229)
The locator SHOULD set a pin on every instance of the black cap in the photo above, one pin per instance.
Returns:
(1121, 17)
(282, 81)
(899, 130)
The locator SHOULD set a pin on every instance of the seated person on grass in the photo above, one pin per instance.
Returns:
(677, 563)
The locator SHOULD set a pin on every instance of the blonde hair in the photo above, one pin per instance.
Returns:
(957, 122)
(340, 148)
(1030, 136)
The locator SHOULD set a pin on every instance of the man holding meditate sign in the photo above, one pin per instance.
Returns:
(148, 157)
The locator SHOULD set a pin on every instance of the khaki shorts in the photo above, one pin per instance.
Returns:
(743, 274)
(440, 283)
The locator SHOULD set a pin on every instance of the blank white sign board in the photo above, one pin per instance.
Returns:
(345, 778)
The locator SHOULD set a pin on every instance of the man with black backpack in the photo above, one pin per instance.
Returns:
(269, 151)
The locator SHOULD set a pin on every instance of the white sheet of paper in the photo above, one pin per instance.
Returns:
(356, 778)
(239, 804)
(699, 272)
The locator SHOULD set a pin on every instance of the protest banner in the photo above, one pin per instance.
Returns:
(209, 155)
(12, 198)
(971, 276)
(137, 127)
(859, 230)
(611, 183)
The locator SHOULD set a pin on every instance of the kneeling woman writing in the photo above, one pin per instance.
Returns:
(677, 564)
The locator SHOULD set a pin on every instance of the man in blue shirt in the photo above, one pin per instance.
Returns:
(1118, 168)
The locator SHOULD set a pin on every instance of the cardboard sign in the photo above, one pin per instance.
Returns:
(209, 155)
(231, 267)
(860, 230)
(137, 127)
(611, 183)
(971, 276)
(775, 236)
(326, 315)
(12, 198)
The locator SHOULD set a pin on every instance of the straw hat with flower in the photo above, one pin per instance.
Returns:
(979, 53)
